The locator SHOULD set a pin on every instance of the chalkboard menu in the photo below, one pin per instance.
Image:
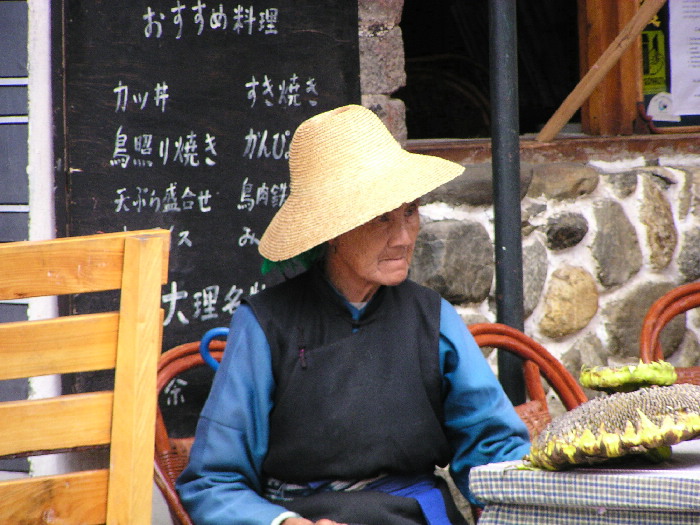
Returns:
(179, 114)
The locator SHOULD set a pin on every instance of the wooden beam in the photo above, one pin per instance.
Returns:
(597, 72)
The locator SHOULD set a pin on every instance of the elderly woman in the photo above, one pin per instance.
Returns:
(342, 388)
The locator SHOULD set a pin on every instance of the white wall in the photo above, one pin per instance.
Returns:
(41, 179)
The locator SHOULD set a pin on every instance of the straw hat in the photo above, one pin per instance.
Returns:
(346, 169)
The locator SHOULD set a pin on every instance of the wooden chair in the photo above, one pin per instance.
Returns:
(538, 362)
(172, 453)
(675, 302)
(127, 341)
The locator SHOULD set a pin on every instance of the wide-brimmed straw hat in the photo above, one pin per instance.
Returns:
(346, 169)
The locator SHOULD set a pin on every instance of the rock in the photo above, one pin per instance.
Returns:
(623, 321)
(657, 218)
(454, 258)
(534, 274)
(615, 246)
(474, 187)
(622, 184)
(382, 63)
(565, 230)
(562, 180)
(570, 302)
(689, 255)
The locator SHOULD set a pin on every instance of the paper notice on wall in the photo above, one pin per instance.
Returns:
(684, 22)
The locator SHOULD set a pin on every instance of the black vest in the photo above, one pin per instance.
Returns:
(351, 403)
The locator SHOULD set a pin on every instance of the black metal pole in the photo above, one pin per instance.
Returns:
(505, 133)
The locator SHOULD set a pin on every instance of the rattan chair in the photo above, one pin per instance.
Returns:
(172, 453)
(675, 302)
(537, 363)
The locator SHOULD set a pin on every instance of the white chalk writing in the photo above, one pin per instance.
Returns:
(264, 195)
(168, 200)
(258, 146)
(239, 20)
(184, 150)
(141, 98)
(288, 93)
(205, 304)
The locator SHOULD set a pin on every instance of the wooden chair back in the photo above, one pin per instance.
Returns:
(172, 453)
(675, 302)
(127, 341)
(538, 363)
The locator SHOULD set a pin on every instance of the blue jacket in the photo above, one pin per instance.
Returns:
(222, 483)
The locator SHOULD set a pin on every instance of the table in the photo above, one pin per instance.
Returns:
(634, 493)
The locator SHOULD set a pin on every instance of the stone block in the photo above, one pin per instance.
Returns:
(382, 62)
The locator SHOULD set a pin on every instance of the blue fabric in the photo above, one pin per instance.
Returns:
(420, 488)
(222, 483)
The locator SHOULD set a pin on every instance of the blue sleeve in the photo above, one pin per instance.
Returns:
(221, 484)
(480, 420)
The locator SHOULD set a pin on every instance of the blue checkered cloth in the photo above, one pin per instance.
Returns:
(667, 493)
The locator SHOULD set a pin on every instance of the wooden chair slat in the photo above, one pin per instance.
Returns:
(73, 265)
(87, 342)
(75, 498)
(57, 423)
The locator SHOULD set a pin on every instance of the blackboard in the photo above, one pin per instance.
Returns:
(178, 114)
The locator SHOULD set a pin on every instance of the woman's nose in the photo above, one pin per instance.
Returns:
(400, 234)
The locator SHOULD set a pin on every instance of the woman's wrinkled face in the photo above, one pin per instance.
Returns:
(377, 253)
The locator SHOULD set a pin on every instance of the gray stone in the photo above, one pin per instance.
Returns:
(615, 247)
(530, 210)
(586, 351)
(474, 187)
(455, 258)
(622, 184)
(534, 274)
(570, 302)
(688, 353)
(689, 255)
(661, 175)
(694, 174)
(382, 63)
(685, 195)
(562, 180)
(373, 13)
(657, 218)
(565, 230)
(623, 320)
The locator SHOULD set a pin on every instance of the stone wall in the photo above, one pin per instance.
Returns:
(601, 241)
(606, 230)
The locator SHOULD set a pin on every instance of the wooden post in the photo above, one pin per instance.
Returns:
(613, 111)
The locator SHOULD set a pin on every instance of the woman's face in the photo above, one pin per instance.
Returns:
(377, 253)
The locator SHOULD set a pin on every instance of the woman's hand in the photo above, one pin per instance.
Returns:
(304, 521)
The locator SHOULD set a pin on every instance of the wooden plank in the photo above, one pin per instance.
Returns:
(135, 398)
(32, 348)
(597, 72)
(67, 265)
(75, 498)
(56, 423)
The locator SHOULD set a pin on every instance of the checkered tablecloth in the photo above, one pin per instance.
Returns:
(635, 493)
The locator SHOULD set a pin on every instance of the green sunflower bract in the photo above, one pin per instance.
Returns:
(628, 377)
